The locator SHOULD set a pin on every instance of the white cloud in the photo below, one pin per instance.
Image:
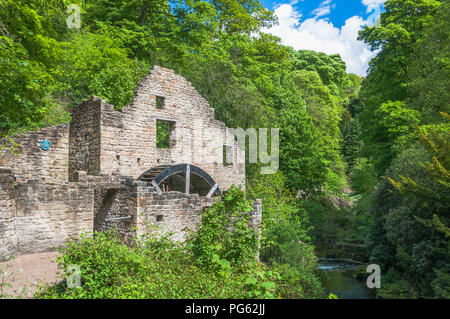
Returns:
(321, 35)
(323, 9)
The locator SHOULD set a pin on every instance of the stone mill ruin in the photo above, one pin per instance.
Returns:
(104, 169)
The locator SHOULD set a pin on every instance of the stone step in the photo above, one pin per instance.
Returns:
(152, 173)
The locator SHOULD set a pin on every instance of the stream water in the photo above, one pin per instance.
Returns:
(339, 278)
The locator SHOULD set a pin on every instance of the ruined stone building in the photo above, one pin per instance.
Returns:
(104, 169)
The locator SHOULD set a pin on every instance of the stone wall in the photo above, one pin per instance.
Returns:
(128, 136)
(48, 215)
(37, 216)
(178, 213)
(115, 209)
(169, 212)
(8, 238)
(32, 162)
(84, 138)
(256, 216)
(256, 220)
(87, 179)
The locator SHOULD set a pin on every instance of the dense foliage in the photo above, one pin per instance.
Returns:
(48, 68)
(405, 143)
(359, 158)
(218, 261)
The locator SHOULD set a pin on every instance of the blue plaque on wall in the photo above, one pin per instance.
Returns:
(45, 144)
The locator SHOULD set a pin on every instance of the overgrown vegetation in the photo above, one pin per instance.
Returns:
(403, 175)
(218, 261)
(360, 159)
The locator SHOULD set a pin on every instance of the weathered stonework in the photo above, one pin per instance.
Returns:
(8, 238)
(170, 212)
(104, 170)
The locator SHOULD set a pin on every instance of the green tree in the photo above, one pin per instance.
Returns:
(301, 151)
(351, 142)
(331, 69)
(410, 230)
(429, 72)
(24, 88)
(326, 113)
(399, 33)
(426, 200)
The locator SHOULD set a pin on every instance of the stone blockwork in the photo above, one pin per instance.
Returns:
(8, 238)
(84, 138)
(48, 215)
(38, 216)
(169, 212)
(128, 137)
(115, 209)
(28, 160)
(101, 170)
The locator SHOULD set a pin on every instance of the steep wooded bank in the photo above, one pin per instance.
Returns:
(404, 121)
(361, 160)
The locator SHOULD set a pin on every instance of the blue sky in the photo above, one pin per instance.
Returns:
(329, 26)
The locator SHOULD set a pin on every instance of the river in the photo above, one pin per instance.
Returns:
(339, 278)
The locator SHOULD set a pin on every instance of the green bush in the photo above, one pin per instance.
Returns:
(286, 245)
(156, 268)
(278, 202)
(217, 261)
(225, 238)
(292, 256)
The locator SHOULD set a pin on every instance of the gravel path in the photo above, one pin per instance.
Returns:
(26, 271)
